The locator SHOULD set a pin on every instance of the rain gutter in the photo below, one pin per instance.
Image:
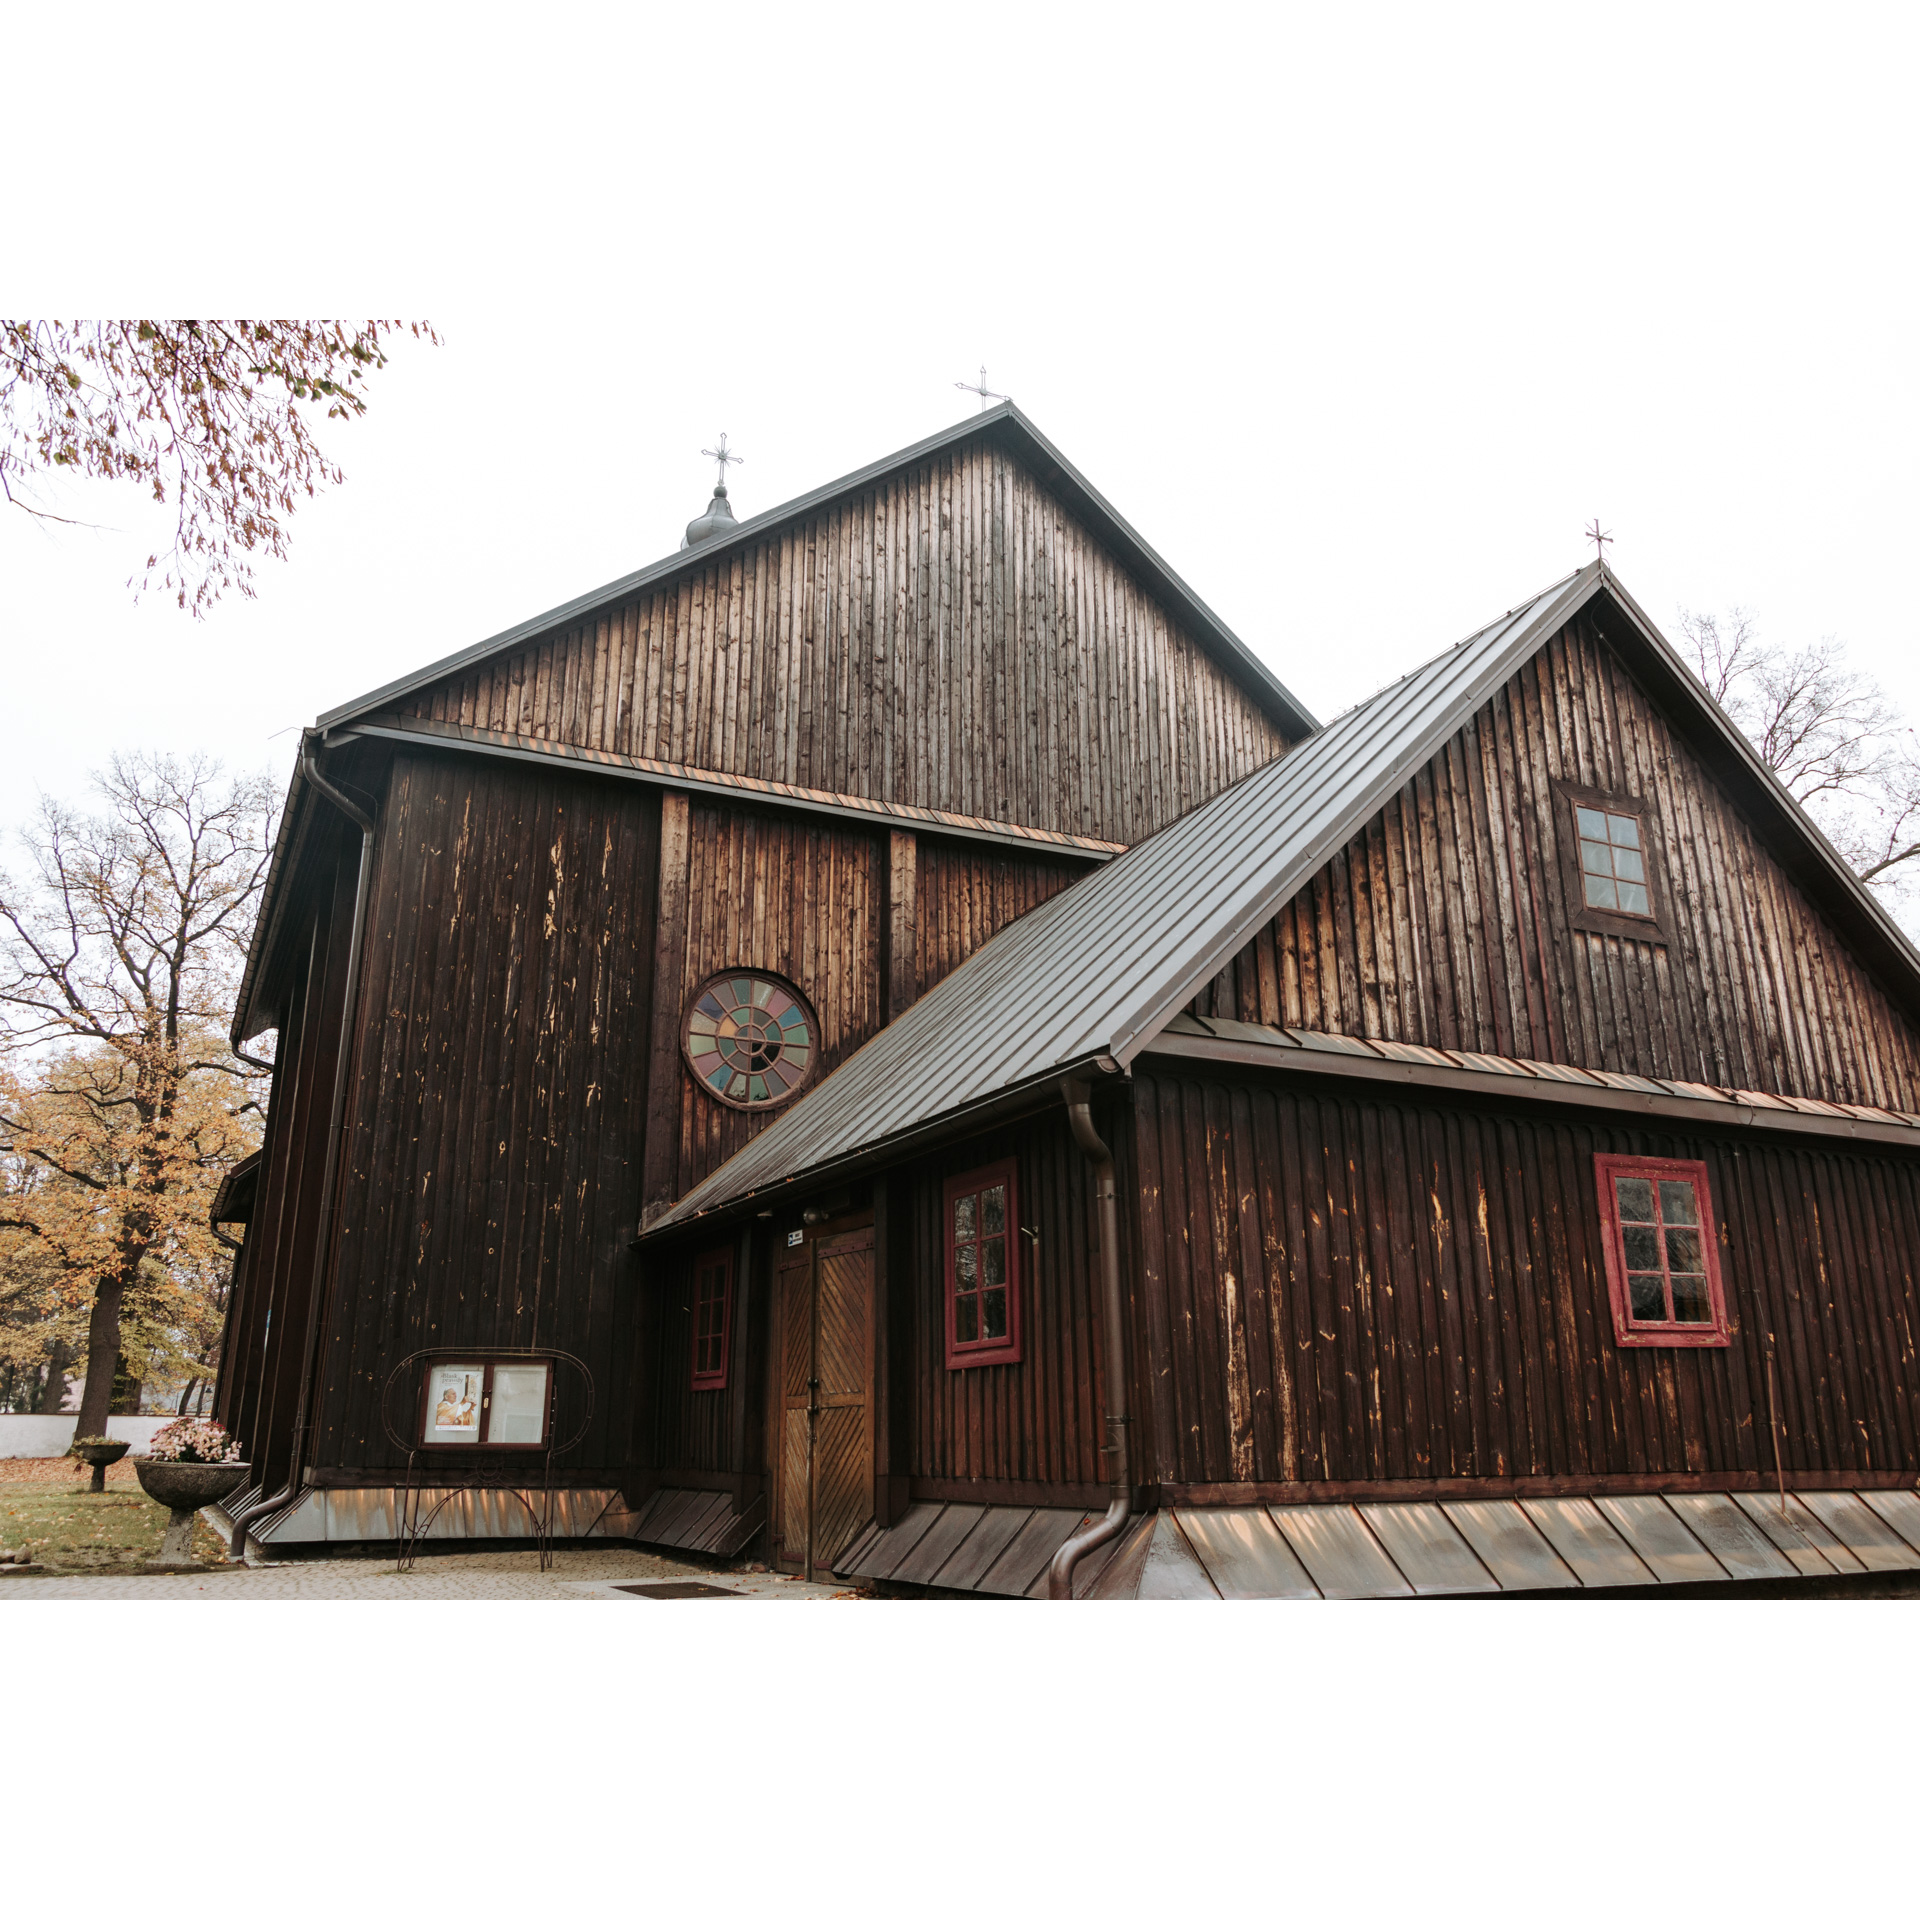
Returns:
(1112, 1306)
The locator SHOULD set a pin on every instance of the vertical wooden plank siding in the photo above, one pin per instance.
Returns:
(794, 896)
(1445, 921)
(965, 895)
(496, 1120)
(950, 638)
(258, 1397)
(1037, 1419)
(1429, 1285)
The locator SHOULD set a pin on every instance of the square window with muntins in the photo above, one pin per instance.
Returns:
(1613, 869)
(1663, 1264)
(982, 1267)
(1610, 862)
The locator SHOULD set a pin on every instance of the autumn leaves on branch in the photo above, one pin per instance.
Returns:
(208, 415)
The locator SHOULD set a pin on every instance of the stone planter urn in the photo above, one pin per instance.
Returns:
(100, 1455)
(184, 1487)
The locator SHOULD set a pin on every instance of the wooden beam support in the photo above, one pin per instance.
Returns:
(903, 921)
(661, 1166)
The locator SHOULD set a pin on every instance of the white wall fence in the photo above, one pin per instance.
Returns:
(44, 1436)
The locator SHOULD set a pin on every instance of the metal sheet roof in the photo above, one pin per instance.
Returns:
(1100, 968)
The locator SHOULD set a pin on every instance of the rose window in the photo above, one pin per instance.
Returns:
(749, 1039)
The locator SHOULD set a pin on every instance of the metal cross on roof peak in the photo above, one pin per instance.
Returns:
(725, 459)
(985, 392)
(1601, 541)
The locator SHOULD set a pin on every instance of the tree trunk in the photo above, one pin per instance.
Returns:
(126, 1389)
(103, 1358)
(55, 1389)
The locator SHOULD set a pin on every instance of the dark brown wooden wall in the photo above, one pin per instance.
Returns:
(498, 1105)
(951, 638)
(800, 898)
(811, 902)
(1338, 1290)
(965, 895)
(1445, 921)
(259, 1387)
(682, 1429)
(1037, 1420)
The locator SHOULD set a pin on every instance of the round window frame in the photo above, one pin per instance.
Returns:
(807, 1013)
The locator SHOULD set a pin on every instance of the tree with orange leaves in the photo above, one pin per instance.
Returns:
(121, 1106)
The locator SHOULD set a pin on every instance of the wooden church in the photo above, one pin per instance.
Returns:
(890, 1043)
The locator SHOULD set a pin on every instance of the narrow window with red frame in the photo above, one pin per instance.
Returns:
(712, 1312)
(1663, 1266)
(982, 1267)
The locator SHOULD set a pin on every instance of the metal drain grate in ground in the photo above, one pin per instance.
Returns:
(683, 1590)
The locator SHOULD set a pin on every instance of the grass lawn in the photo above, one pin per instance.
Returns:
(71, 1529)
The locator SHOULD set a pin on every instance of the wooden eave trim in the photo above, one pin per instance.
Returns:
(1524, 1088)
(711, 785)
(289, 849)
(1007, 428)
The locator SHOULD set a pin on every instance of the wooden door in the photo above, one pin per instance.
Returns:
(825, 1441)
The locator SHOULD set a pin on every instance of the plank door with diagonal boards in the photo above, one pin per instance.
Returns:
(824, 1296)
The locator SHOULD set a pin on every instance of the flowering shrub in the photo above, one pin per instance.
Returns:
(201, 1440)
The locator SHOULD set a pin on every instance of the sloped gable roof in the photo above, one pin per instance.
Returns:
(1005, 426)
(1101, 968)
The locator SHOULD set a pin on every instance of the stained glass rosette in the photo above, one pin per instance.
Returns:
(748, 1039)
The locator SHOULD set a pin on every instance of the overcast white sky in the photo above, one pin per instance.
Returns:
(1359, 315)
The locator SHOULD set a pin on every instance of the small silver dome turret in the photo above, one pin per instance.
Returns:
(718, 517)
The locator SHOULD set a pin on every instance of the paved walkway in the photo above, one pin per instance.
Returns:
(586, 1575)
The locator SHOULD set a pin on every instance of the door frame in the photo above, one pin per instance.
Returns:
(783, 1254)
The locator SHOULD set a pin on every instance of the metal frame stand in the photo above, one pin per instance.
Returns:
(418, 1508)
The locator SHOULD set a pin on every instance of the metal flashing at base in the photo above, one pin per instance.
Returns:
(1366, 1550)
(359, 1516)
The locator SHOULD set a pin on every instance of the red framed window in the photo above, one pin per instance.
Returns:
(982, 1233)
(712, 1318)
(1663, 1259)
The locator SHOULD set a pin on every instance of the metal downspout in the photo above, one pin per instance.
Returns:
(1112, 1310)
(316, 1305)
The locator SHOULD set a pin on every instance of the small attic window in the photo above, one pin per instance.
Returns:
(1613, 865)
(1609, 864)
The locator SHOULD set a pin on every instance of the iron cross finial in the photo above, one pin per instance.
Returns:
(985, 392)
(1601, 541)
(725, 459)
